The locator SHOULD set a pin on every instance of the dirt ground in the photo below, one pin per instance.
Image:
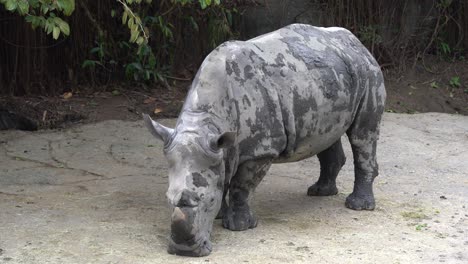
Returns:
(418, 89)
(95, 193)
(429, 87)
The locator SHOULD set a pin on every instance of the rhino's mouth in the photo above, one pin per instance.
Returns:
(185, 239)
(201, 247)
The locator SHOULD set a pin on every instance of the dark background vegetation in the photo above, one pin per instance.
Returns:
(397, 32)
(426, 37)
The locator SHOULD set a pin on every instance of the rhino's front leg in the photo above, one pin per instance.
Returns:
(331, 161)
(238, 215)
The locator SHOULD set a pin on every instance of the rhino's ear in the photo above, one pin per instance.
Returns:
(225, 140)
(159, 131)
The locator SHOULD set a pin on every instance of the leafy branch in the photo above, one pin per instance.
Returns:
(134, 23)
(43, 13)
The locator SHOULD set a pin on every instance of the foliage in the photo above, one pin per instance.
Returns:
(149, 60)
(145, 66)
(455, 82)
(447, 21)
(444, 48)
(152, 61)
(43, 13)
(369, 35)
(393, 37)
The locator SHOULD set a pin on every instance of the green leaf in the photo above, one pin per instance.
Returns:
(124, 44)
(124, 17)
(455, 82)
(30, 19)
(11, 5)
(68, 6)
(64, 27)
(34, 3)
(56, 33)
(88, 64)
(95, 50)
(49, 26)
(202, 4)
(137, 20)
(113, 13)
(137, 65)
(152, 61)
(44, 9)
(147, 75)
(34, 20)
(134, 35)
(140, 40)
(23, 7)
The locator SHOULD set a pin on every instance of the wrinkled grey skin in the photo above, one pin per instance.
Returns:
(281, 97)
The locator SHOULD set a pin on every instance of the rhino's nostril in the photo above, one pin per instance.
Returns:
(188, 199)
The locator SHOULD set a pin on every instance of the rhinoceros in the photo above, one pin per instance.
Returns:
(280, 97)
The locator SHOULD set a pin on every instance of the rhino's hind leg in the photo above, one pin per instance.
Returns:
(365, 171)
(363, 136)
(331, 161)
(238, 215)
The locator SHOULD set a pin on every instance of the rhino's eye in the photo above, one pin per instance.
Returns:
(208, 150)
(214, 147)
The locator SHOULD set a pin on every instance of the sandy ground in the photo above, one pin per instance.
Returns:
(95, 194)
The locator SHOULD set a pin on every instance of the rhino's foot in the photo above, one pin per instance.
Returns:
(239, 218)
(322, 190)
(360, 202)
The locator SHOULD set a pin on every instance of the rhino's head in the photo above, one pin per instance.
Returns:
(196, 182)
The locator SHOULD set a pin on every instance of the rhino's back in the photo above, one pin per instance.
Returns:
(298, 89)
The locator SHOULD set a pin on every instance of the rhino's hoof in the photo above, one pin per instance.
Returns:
(239, 219)
(357, 202)
(322, 190)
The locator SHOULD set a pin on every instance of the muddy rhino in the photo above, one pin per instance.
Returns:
(281, 97)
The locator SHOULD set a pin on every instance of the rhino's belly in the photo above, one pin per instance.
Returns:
(311, 140)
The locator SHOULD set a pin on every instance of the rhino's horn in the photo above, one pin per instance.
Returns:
(178, 215)
(158, 130)
(181, 229)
